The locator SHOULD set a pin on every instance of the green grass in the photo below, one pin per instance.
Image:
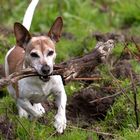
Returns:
(81, 19)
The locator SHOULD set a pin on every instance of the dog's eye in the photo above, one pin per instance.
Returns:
(50, 53)
(34, 55)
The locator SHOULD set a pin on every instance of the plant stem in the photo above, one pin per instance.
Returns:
(135, 99)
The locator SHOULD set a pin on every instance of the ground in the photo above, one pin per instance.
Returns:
(85, 23)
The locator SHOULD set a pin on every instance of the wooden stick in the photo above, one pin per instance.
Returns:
(91, 130)
(135, 99)
(87, 78)
(71, 69)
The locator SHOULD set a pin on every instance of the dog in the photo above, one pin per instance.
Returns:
(36, 52)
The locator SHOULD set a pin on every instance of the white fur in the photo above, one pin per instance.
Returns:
(34, 90)
(29, 14)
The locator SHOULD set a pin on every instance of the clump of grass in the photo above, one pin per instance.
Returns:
(121, 118)
(127, 13)
(130, 134)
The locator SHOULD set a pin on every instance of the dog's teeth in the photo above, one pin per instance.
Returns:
(44, 78)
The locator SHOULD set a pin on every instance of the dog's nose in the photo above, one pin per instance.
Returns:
(45, 69)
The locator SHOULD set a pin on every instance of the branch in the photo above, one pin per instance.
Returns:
(95, 131)
(128, 88)
(13, 78)
(70, 69)
(135, 99)
(76, 67)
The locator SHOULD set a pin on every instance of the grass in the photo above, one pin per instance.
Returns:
(25, 129)
(81, 19)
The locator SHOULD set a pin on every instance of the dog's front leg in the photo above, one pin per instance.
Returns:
(61, 98)
(26, 105)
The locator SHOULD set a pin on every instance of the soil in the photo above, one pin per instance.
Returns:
(80, 105)
(6, 128)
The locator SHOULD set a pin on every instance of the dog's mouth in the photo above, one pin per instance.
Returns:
(45, 78)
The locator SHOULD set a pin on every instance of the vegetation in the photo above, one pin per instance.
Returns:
(82, 18)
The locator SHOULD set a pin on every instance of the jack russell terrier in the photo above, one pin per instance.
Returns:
(38, 53)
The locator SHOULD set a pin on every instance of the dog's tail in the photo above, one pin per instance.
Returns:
(27, 20)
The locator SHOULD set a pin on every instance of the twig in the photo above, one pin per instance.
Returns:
(111, 96)
(17, 76)
(119, 85)
(55, 132)
(87, 78)
(135, 99)
(114, 95)
(91, 130)
(133, 40)
(13, 78)
(7, 135)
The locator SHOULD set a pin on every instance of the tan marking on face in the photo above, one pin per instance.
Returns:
(18, 56)
(41, 44)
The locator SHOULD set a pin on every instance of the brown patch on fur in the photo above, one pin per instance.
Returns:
(15, 59)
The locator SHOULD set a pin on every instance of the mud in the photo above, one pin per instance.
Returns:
(81, 107)
(6, 128)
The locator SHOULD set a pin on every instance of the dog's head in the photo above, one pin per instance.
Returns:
(39, 51)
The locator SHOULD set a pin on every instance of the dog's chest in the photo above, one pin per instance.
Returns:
(34, 89)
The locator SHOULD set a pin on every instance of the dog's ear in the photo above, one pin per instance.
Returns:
(22, 35)
(56, 29)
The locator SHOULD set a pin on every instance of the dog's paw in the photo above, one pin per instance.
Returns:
(60, 123)
(22, 112)
(39, 109)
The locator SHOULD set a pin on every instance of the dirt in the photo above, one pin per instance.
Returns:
(81, 107)
(6, 128)
(122, 70)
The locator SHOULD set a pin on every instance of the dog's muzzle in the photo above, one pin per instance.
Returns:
(45, 70)
(45, 76)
